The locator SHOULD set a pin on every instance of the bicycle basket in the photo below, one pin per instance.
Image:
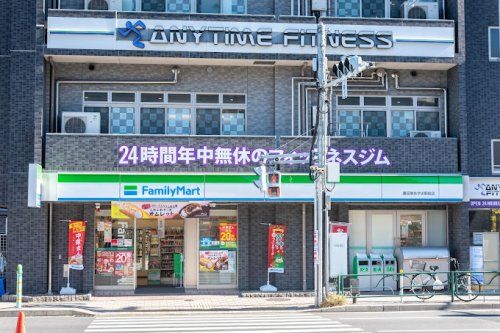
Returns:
(418, 265)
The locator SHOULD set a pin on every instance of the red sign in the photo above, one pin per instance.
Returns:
(76, 240)
(339, 227)
(276, 249)
(228, 235)
(124, 263)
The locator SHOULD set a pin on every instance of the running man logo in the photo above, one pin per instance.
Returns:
(136, 29)
(130, 190)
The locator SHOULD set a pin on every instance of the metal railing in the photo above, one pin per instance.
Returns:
(463, 285)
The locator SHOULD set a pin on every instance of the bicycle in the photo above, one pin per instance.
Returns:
(425, 284)
(464, 284)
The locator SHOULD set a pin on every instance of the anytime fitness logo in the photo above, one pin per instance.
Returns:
(488, 190)
(136, 29)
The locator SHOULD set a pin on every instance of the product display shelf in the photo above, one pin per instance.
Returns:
(172, 243)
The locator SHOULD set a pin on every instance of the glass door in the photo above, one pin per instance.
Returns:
(381, 232)
(411, 229)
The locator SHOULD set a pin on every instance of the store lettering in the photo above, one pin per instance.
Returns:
(122, 229)
(171, 191)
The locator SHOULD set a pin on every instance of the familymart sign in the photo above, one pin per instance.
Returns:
(239, 188)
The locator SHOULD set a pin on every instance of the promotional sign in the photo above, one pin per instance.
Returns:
(338, 253)
(108, 231)
(105, 262)
(76, 240)
(276, 249)
(484, 192)
(166, 210)
(35, 185)
(339, 227)
(477, 262)
(217, 261)
(228, 235)
(124, 263)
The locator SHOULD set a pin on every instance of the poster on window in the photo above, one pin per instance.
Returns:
(105, 263)
(166, 210)
(228, 235)
(276, 249)
(124, 263)
(76, 240)
(217, 261)
(108, 231)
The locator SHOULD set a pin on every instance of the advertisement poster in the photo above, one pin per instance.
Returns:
(108, 234)
(166, 210)
(105, 262)
(228, 235)
(276, 249)
(76, 240)
(476, 262)
(217, 261)
(124, 263)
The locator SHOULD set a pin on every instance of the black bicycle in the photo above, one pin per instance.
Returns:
(467, 286)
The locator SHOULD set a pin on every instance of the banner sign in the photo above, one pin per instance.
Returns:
(276, 249)
(237, 156)
(484, 192)
(76, 240)
(228, 235)
(166, 210)
(217, 261)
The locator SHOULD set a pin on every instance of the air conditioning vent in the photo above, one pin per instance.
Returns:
(81, 122)
(413, 9)
(425, 134)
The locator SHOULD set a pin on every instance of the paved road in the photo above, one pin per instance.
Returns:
(270, 322)
(422, 321)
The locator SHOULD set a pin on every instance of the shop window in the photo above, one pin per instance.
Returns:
(114, 256)
(374, 123)
(495, 158)
(122, 120)
(90, 96)
(494, 43)
(122, 97)
(402, 123)
(208, 122)
(152, 121)
(218, 246)
(152, 98)
(349, 123)
(179, 121)
(233, 122)
(410, 229)
(487, 220)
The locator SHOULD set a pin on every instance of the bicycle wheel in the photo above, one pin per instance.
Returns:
(422, 285)
(464, 289)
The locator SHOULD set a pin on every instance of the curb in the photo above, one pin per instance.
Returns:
(47, 313)
(411, 307)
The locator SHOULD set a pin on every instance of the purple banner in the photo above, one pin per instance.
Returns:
(238, 156)
(484, 204)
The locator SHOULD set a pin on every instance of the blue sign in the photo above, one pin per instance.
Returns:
(136, 29)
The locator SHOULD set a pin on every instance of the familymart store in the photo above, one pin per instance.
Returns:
(186, 230)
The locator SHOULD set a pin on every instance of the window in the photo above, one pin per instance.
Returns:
(221, 6)
(402, 101)
(349, 123)
(171, 113)
(362, 8)
(402, 123)
(178, 6)
(427, 101)
(410, 230)
(152, 121)
(374, 123)
(494, 43)
(495, 155)
(153, 5)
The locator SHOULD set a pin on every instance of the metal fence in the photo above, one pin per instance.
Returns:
(463, 285)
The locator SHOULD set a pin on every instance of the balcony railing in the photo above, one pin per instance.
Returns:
(161, 153)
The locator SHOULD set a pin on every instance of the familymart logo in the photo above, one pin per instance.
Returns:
(171, 191)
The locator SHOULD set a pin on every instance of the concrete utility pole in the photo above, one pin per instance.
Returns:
(321, 215)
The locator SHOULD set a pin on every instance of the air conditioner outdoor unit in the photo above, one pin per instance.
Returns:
(81, 122)
(104, 5)
(425, 134)
(414, 9)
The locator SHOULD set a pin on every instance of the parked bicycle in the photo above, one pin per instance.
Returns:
(425, 284)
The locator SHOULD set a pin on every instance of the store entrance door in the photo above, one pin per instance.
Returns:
(159, 256)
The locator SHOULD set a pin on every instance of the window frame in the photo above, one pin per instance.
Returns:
(387, 10)
(490, 29)
(165, 105)
(388, 108)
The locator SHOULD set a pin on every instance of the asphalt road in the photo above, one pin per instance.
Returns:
(270, 322)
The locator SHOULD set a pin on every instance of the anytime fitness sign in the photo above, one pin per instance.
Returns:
(237, 156)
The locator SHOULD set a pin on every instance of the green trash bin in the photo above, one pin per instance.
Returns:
(391, 269)
(361, 268)
(376, 271)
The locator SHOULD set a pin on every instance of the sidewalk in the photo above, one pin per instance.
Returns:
(133, 305)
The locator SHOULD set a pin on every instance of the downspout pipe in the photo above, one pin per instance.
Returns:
(175, 71)
(395, 76)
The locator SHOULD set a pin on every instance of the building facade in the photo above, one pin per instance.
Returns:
(145, 114)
